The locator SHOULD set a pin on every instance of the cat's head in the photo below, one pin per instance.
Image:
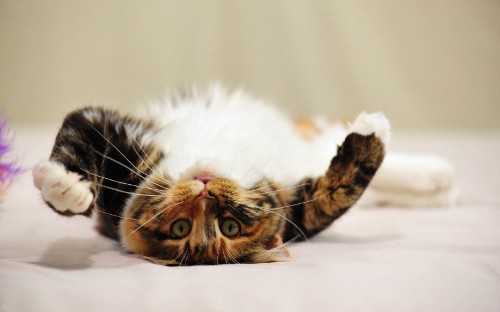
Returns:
(204, 221)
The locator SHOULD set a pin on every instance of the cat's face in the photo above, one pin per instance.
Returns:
(204, 221)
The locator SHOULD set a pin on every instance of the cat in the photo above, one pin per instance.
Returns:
(214, 178)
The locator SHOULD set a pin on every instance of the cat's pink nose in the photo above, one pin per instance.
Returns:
(204, 179)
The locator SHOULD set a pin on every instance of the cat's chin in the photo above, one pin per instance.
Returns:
(278, 255)
(274, 251)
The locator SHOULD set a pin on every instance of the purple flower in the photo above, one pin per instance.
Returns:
(8, 168)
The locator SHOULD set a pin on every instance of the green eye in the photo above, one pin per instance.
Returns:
(230, 228)
(180, 228)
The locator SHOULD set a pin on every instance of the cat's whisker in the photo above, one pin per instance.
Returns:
(156, 169)
(111, 143)
(125, 166)
(125, 192)
(117, 162)
(232, 256)
(284, 207)
(261, 185)
(292, 223)
(224, 255)
(184, 257)
(178, 256)
(278, 214)
(153, 217)
(144, 153)
(165, 178)
(272, 210)
(288, 242)
(114, 215)
(311, 200)
(171, 211)
(173, 261)
(279, 190)
(119, 182)
(120, 152)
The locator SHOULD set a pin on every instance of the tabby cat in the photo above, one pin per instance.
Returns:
(209, 178)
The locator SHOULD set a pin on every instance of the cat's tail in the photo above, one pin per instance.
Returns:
(322, 200)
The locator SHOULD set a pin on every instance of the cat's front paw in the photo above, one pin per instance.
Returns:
(64, 190)
(375, 123)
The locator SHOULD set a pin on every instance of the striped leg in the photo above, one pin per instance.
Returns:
(97, 157)
(322, 200)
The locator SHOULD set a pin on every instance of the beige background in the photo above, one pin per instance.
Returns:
(427, 64)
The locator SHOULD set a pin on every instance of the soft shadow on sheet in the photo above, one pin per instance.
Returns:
(78, 253)
(340, 238)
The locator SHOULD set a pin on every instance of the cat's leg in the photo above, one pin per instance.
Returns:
(98, 158)
(322, 200)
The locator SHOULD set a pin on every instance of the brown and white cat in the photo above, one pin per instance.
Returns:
(209, 178)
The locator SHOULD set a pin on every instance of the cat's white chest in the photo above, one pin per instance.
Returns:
(240, 140)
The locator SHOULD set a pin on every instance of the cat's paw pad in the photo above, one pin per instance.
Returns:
(64, 190)
(376, 123)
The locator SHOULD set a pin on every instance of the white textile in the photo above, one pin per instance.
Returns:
(372, 259)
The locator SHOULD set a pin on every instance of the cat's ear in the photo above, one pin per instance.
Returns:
(275, 251)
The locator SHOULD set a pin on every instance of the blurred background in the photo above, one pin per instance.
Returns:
(428, 64)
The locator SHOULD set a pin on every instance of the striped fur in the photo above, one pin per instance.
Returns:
(97, 144)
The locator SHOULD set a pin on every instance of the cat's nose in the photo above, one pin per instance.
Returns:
(204, 179)
(205, 193)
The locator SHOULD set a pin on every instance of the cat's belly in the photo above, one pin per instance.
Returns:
(245, 145)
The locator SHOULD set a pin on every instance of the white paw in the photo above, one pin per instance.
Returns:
(377, 123)
(416, 174)
(430, 174)
(63, 189)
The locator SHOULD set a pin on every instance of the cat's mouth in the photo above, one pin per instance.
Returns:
(205, 195)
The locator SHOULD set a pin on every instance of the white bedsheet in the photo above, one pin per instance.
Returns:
(372, 259)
